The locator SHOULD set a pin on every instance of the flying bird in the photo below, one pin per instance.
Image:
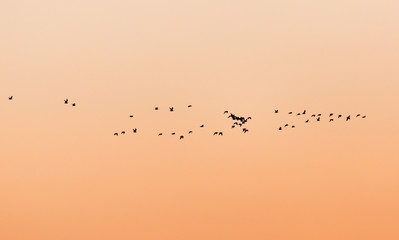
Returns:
(245, 130)
(134, 130)
(66, 101)
(73, 104)
(10, 98)
(286, 125)
(358, 115)
(233, 126)
(319, 114)
(348, 118)
(123, 132)
(173, 133)
(202, 126)
(318, 119)
(171, 109)
(307, 121)
(364, 117)
(220, 134)
(290, 113)
(131, 116)
(339, 116)
(331, 120)
(189, 106)
(275, 111)
(331, 114)
(293, 126)
(181, 137)
(280, 128)
(190, 132)
(313, 115)
(304, 112)
(156, 108)
(115, 134)
(298, 114)
(215, 133)
(160, 134)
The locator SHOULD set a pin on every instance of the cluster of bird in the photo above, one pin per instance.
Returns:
(317, 117)
(238, 121)
(66, 101)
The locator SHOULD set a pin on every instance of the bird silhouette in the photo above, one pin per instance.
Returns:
(339, 116)
(331, 120)
(364, 117)
(173, 133)
(181, 137)
(233, 126)
(280, 128)
(245, 130)
(189, 106)
(307, 121)
(73, 104)
(190, 132)
(215, 133)
(358, 115)
(290, 113)
(286, 125)
(304, 112)
(171, 109)
(220, 134)
(313, 115)
(66, 101)
(249, 118)
(226, 112)
(319, 114)
(331, 114)
(156, 108)
(10, 98)
(318, 119)
(348, 118)
(131, 116)
(293, 126)
(160, 134)
(115, 134)
(134, 130)
(298, 114)
(275, 111)
(202, 126)
(123, 132)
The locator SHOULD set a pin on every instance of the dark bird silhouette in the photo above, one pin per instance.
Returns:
(181, 137)
(220, 134)
(156, 108)
(215, 133)
(331, 120)
(134, 130)
(160, 134)
(348, 118)
(307, 121)
(286, 125)
(190, 132)
(189, 106)
(131, 116)
(293, 126)
(233, 126)
(298, 114)
(226, 112)
(275, 111)
(66, 101)
(173, 133)
(313, 115)
(115, 134)
(240, 124)
(171, 109)
(202, 126)
(290, 113)
(364, 117)
(304, 112)
(245, 130)
(73, 104)
(331, 114)
(319, 114)
(358, 115)
(10, 98)
(249, 118)
(123, 132)
(280, 128)
(318, 119)
(339, 116)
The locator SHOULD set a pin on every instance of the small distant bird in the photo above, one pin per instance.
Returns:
(131, 116)
(364, 117)
(202, 126)
(134, 130)
(348, 118)
(313, 115)
(318, 119)
(220, 134)
(249, 118)
(156, 108)
(115, 134)
(331, 120)
(307, 121)
(280, 128)
(171, 109)
(290, 113)
(10, 98)
(358, 115)
(245, 130)
(181, 137)
(233, 126)
(319, 114)
(190, 132)
(339, 116)
(66, 101)
(275, 111)
(304, 112)
(293, 126)
(331, 114)
(226, 112)
(240, 124)
(286, 125)
(215, 133)
(298, 114)
(189, 106)
(173, 133)
(73, 104)
(160, 134)
(123, 132)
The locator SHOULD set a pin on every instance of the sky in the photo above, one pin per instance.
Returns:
(63, 175)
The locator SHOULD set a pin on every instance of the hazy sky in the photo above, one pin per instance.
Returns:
(63, 175)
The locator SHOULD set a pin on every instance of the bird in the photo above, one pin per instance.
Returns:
(156, 108)
(307, 121)
(10, 98)
(190, 132)
(318, 119)
(215, 133)
(331, 120)
(364, 117)
(226, 112)
(286, 125)
(202, 126)
(73, 104)
(293, 126)
(189, 106)
(348, 118)
(131, 116)
(290, 113)
(280, 128)
(319, 114)
(298, 114)
(358, 115)
(134, 130)
(249, 118)
(171, 109)
(275, 111)
(173, 133)
(181, 137)
(220, 134)
(160, 134)
(233, 126)
(331, 114)
(304, 112)
(123, 132)
(245, 130)
(313, 115)
(115, 134)
(66, 101)
(339, 116)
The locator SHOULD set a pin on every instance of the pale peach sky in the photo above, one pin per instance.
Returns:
(64, 176)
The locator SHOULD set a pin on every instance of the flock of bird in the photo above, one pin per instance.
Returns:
(317, 117)
(238, 121)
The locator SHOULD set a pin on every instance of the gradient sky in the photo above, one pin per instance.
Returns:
(64, 176)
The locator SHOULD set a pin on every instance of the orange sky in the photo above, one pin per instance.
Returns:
(64, 176)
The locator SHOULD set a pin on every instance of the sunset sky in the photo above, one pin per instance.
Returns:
(64, 176)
